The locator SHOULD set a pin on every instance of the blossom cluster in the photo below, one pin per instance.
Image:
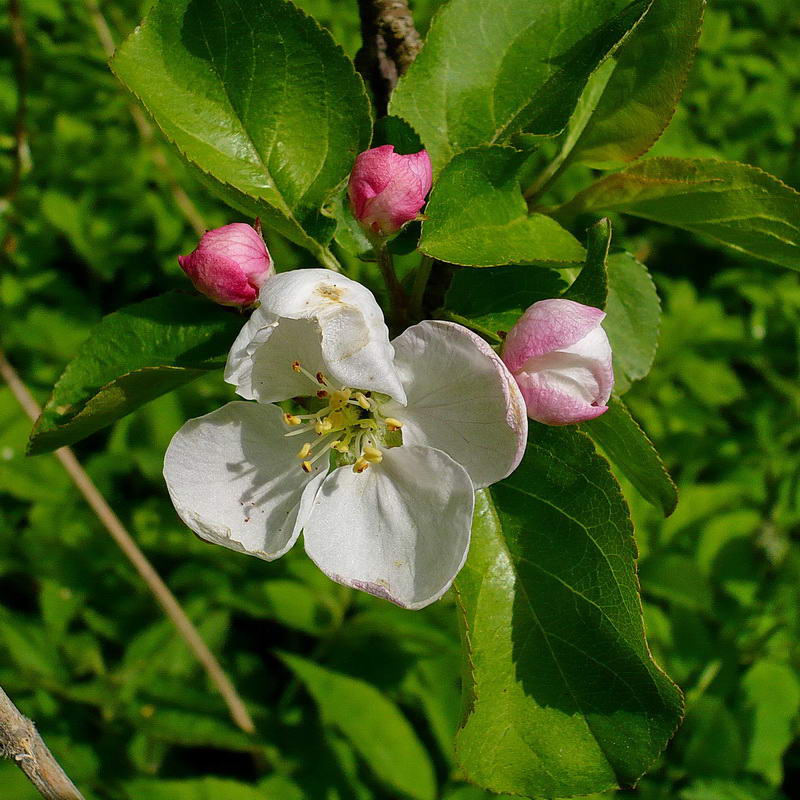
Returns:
(371, 448)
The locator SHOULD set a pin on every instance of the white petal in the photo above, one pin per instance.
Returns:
(399, 531)
(327, 322)
(461, 398)
(235, 479)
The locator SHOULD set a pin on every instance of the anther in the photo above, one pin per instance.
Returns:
(372, 454)
(362, 401)
(296, 366)
(360, 465)
(306, 466)
(322, 394)
(291, 419)
(304, 450)
(321, 379)
(393, 424)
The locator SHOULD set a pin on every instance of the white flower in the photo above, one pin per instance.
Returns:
(412, 427)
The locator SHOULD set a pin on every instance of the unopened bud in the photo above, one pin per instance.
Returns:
(229, 265)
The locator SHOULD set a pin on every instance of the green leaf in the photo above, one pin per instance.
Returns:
(380, 734)
(736, 204)
(677, 579)
(714, 744)
(562, 695)
(259, 98)
(193, 789)
(492, 68)
(477, 216)
(591, 285)
(649, 75)
(633, 312)
(772, 696)
(131, 357)
(492, 300)
(628, 446)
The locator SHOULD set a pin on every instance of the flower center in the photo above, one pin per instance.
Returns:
(350, 423)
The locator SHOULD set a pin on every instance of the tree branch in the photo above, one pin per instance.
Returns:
(390, 45)
(21, 742)
(152, 579)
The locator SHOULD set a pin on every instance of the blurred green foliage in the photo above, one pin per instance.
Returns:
(84, 649)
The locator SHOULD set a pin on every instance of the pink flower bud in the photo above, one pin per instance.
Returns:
(229, 265)
(387, 189)
(561, 360)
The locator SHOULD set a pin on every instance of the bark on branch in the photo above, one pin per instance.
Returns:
(390, 45)
(20, 741)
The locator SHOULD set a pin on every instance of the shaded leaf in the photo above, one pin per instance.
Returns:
(628, 446)
(493, 299)
(561, 696)
(132, 356)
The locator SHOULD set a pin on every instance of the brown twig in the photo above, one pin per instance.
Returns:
(21, 742)
(155, 584)
(390, 45)
(21, 69)
(145, 129)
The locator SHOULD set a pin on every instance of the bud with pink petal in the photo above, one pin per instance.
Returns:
(387, 189)
(561, 360)
(230, 265)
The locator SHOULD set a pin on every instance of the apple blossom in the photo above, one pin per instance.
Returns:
(229, 265)
(381, 476)
(387, 189)
(561, 360)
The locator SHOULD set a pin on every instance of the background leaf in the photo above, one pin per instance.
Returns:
(492, 68)
(736, 204)
(133, 356)
(379, 732)
(562, 696)
(238, 88)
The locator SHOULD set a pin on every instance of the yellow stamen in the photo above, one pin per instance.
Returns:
(306, 466)
(393, 424)
(323, 426)
(304, 450)
(372, 454)
(362, 401)
(291, 419)
(339, 398)
(360, 465)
